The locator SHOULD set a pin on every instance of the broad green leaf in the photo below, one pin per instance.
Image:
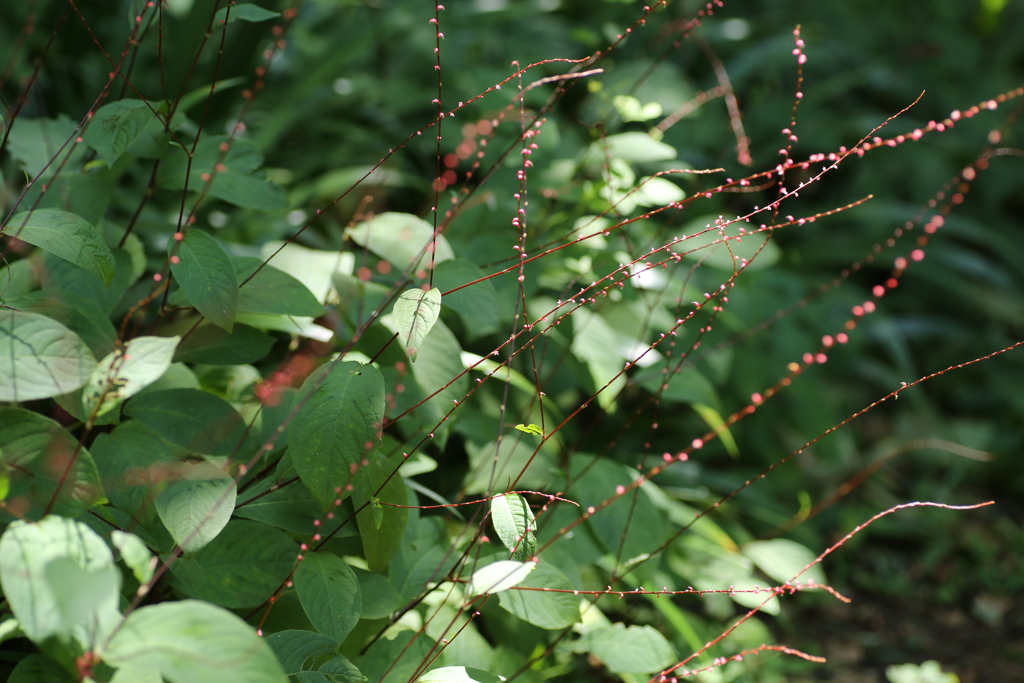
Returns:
(135, 554)
(499, 576)
(632, 649)
(36, 668)
(514, 522)
(290, 506)
(39, 357)
(295, 648)
(415, 313)
(380, 599)
(340, 670)
(407, 241)
(240, 184)
(688, 386)
(381, 539)
(439, 371)
(243, 12)
(59, 578)
(727, 247)
(494, 465)
(476, 305)
(116, 126)
(211, 345)
(132, 461)
(197, 506)
(244, 565)
(736, 571)
(41, 456)
(459, 674)
(38, 142)
(194, 642)
(337, 425)
(81, 315)
(192, 418)
(632, 524)
(548, 610)
(329, 593)
(632, 147)
(206, 275)
(597, 345)
(69, 283)
(66, 235)
(311, 267)
(782, 559)
(272, 291)
(124, 373)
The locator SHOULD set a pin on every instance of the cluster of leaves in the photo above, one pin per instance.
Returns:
(260, 417)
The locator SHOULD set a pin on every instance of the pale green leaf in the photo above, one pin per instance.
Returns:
(194, 642)
(135, 554)
(407, 241)
(40, 358)
(782, 559)
(459, 674)
(415, 313)
(632, 649)
(514, 522)
(547, 609)
(197, 506)
(499, 576)
(126, 372)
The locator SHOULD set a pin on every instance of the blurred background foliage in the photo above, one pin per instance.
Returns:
(356, 78)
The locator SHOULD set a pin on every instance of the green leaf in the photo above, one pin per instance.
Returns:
(380, 599)
(194, 642)
(192, 418)
(415, 313)
(59, 578)
(207, 276)
(131, 461)
(632, 147)
(597, 345)
(329, 593)
(382, 539)
(243, 566)
(782, 559)
(476, 305)
(407, 241)
(272, 291)
(499, 576)
(295, 648)
(338, 423)
(124, 373)
(116, 126)
(211, 345)
(536, 430)
(135, 554)
(548, 610)
(38, 142)
(632, 649)
(36, 668)
(243, 12)
(66, 235)
(197, 506)
(38, 452)
(39, 357)
(514, 522)
(459, 674)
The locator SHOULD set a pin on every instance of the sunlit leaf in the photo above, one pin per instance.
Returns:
(39, 357)
(198, 506)
(126, 372)
(415, 313)
(514, 522)
(499, 576)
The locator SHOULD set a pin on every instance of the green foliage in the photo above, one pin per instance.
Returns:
(286, 334)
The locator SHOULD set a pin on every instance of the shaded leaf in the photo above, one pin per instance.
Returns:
(39, 453)
(243, 12)
(211, 345)
(272, 291)
(244, 565)
(396, 660)
(339, 422)
(192, 418)
(207, 276)
(329, 593)
(548, 610)
(381, 528)
(66, 235)
(415, 313)
(295, 648)
(116, 126)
